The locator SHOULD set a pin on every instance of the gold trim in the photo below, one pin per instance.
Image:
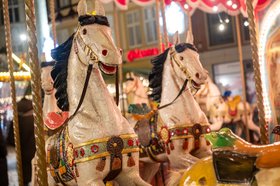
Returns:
(184, 137)
(92, 157)
(186, 125)
(127, 150)
(100, 140)
(181, 137)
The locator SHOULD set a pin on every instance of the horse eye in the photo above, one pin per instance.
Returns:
(84, 31)
(181, 58)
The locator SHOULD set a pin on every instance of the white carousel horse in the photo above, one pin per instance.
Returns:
(97, 143)
(136, 92)
(222, 112)
(177, 134)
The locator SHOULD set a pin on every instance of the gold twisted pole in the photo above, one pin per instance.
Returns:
(13, 89)
(52, 12)
(258, 80)
(36, 92)
(158, 27)
(166, 39)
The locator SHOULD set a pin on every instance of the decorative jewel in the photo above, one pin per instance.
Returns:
(94, 148)
(185, 131)
(130, 142)
(82, 152)
(76, 153)
(208, 130)
(164, 134)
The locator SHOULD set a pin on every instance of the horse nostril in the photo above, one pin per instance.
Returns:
(121, 51)
(104, 52)
(197, 75)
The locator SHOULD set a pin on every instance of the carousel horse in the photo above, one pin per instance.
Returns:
(236, 161)
(175, 130)
(96, 144)
(225, 112)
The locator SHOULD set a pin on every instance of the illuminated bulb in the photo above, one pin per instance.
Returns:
(172, 3)
(215, 8)
(23, 37)
(227, 20)
(246, 23)
(186, 6)
(229, 2)
(221, 27)
(234, 6)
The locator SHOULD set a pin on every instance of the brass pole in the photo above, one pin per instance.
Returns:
(52, 12)
(120, 71)
(244, 100)
(166, 39)
(158, 27)
(258, 80)
(36, 92)
(189, 21)
(13, 89)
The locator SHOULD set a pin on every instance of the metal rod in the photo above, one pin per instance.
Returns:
(257, 73)
(244, 100)
(36, 92)
(165, 33)
(160, 48)
(13, 89)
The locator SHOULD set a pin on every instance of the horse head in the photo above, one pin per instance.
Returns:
(94, 41)
(186, 60)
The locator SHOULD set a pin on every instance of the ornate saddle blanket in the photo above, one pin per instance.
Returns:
(55, 120)
(60, 157)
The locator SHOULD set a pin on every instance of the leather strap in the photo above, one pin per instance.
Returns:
(179, 94)
(90, 67)
(117, 86)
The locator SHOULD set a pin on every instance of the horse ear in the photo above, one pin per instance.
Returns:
(189, 37)
(176, 39)
(99, 8)
(82, 7)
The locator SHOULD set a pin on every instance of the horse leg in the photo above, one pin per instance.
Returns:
(148, 170)
(130, 175)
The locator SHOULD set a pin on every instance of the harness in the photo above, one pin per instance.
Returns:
(62, 155)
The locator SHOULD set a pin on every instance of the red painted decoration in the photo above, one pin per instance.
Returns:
(185, 131)
(82, 152)
(94, 148)
(76, 153)
(130, 142)
(208, 130)
(137, 142)
(178, 131)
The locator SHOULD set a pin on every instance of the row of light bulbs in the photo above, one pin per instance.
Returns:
(19, 76)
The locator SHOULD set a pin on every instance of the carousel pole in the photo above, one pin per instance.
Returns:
(166, 39)
(52, 13)
(258, 80)
(120, 70)
(36, 92)
(13, 89)
(244, 100)
(158, 27)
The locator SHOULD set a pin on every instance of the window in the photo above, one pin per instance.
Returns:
(220, 29)
(14, 11)
(134, 28)
(150, 25)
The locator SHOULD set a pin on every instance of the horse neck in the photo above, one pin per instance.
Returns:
(140, 93)
(98, 114)
(185, 110)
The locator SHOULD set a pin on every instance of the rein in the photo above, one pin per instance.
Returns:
(178, 95)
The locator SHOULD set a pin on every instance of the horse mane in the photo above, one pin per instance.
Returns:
(59, 72)
(155, 77)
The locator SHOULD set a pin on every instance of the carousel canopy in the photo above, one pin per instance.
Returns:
(232, 7)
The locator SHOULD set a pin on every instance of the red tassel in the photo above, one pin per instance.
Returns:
(101, 164)
(117, 163)
(196, 144)
(171, 146)
(185, 144)
(167, 149)
(130, 161)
